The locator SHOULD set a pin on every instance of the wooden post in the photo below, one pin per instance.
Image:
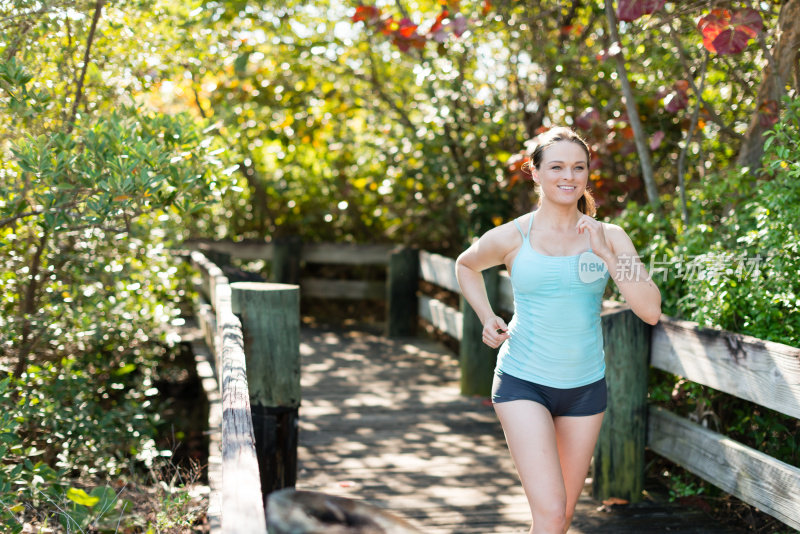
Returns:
(478, 359)
(619, 454)
(401, 292)
(270, 315)
(286, 252)
(220, 259)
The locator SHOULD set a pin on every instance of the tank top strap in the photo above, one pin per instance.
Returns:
(518, 228)
(530, 224)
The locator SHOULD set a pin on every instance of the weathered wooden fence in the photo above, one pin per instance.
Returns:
(763, 372)
(242, 508)
(759, 371)
(253, 330)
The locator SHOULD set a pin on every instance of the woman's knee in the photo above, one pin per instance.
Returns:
(550, 516)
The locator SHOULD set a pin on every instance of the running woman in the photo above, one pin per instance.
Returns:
(549, 389)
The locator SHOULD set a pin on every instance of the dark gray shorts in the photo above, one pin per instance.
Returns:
(585, 400)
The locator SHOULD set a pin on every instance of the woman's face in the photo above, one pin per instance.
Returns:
(563, 173)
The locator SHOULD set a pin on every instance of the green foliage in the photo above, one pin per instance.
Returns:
(763, 229)
(736, 215)
(735, 266)
(89, 292)
(683, 485)
(22, 473)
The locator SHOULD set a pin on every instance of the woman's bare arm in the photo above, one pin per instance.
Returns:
(631, 276)
(490, 250)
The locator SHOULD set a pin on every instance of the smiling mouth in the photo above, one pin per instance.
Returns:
(567, 187)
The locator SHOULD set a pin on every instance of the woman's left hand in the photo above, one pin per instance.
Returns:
(597, 236)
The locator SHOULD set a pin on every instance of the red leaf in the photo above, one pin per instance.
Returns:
(675, 102)
(389, 26)
(366, 13)
(730, 42)
(459, 25)
(418, 41)
(655, 141)
(401, 43)
(587, 119)
(630, 10)
(711, 24)
(747, 21)
(437, 25)
(407, 28)
(768, 113)
(405, 43)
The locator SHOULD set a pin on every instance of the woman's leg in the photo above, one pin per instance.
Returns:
(531, 437)
(576, 438)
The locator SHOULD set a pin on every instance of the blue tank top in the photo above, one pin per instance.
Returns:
(556, 337)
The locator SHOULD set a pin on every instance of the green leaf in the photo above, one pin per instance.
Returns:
(78, 496)
(106, 497)
(124, 370)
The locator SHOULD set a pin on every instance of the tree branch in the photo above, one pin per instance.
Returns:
(712, 114)
(79, 90)
(685, 149)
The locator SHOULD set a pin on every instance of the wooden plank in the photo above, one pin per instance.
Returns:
(270, 315)
(447, 319)
(760, 371)
(243, 250)
(346, 253)
(505, 293)
(439, 270)
(342, 289)
(242, 505)
(204, 362)
(756, 478)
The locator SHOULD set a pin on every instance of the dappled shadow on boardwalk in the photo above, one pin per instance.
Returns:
(382, 420)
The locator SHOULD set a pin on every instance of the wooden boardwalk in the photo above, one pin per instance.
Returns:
(382, 420)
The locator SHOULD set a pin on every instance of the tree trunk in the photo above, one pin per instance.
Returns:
(642, 146)
(777, 75)
(28, 306)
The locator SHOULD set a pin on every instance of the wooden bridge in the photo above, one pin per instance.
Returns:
(384, 421)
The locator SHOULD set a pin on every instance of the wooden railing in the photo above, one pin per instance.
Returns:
(763, 372)
(242, 507)
(286, 256)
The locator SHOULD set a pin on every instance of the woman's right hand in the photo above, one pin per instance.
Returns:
(495, 331)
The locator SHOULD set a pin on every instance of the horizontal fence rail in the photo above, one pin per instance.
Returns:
(759, 371)
(330, 253)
